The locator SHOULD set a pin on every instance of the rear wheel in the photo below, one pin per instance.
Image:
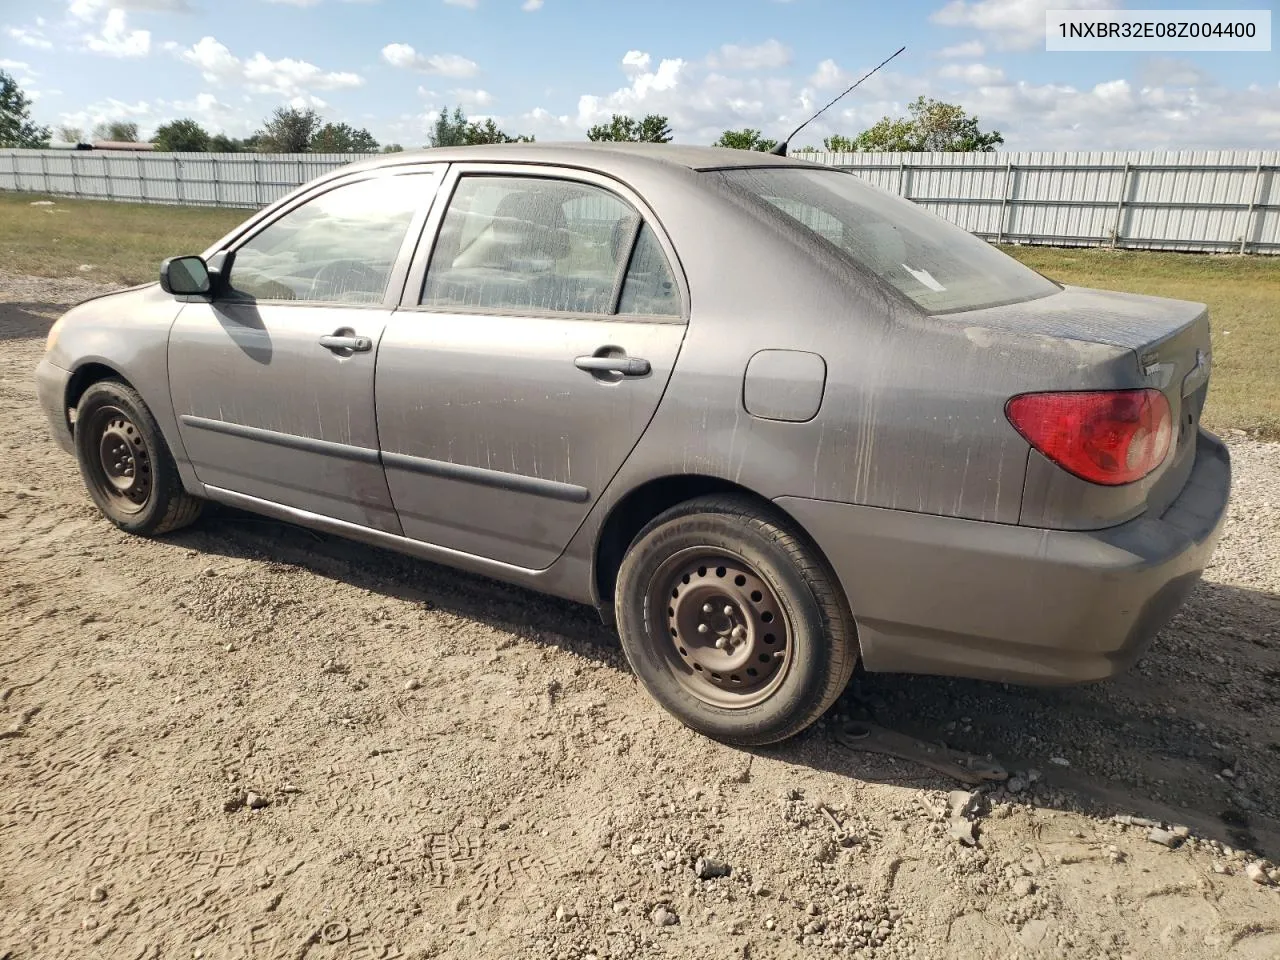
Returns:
(126, 465)
(733, 622)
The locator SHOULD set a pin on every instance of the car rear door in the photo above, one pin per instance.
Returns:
(513, 382)
(272, 380)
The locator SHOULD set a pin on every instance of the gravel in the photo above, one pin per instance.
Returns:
(529, 800)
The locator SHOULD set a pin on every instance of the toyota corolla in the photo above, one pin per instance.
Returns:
(770, 420)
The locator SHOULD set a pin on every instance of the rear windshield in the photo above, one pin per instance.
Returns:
(939, 266)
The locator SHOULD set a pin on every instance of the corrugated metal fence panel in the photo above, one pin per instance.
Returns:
(1204, 200)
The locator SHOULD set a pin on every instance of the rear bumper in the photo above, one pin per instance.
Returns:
(51, 389)
(1018, 604)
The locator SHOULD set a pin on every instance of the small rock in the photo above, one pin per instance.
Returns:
(961, 803)
(1024, 887)
(962, 832)
(770, 923)
(1257, 872)
(1221, 868)
(1163, 837)
(256, 801)
(411, 685)
(708, 869)
(1015, 785)
(98, 894)
(664, 917)
(235, 801)
(1228, 773)
(1274, 875)
(89, 923)
(565, 914)
(814, 927)
(1181, 832)
(1033, 775)
(210, 572)
(1060, 761)
(85, 267)
(813, 910)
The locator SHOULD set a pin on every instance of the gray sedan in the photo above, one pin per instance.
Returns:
(769, 420)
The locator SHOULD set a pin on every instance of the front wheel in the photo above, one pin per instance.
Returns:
(733, 622)
(126, 465)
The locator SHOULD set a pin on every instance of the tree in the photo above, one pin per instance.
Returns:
(488, 132)
(746, 139)
(342, 138)
(839, 144)
(118, 131)
(70, 135)
(931, 126)
(288, 130)
(652, 129)
(221, 143)
(393, 148)
(181, 136)
(449, 131)
(16, 128)
(455, 130)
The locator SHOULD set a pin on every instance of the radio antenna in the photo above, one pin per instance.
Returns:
(781, 149)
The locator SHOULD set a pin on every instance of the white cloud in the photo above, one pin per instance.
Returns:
(29, 37)
(529, 6)
(444, 64)
(970, 48)
(765, 56)
(472, 99)
(117, 40)
(977, 74)
(469, 4)
(89, 9)
(287, 77)
(14, 65)
(1017, 24)
(1117, 114)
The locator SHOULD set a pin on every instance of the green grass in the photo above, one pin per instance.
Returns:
(1243, 295)
(122, 242)
(125, 242)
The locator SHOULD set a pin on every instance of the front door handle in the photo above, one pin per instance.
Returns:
(624, 366)
(351, 344)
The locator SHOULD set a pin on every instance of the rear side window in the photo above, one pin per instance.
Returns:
(336, 248)
(540, 245)
(936, 264)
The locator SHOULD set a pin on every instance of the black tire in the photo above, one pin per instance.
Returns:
(144, 496)
(767, 553)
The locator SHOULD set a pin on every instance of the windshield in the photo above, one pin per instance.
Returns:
(939, 266)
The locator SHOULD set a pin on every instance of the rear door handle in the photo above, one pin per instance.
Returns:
(355, 344)
(626, 366)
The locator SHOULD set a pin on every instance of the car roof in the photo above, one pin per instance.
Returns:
(609, 158)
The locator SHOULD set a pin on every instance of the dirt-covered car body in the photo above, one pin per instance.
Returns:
(786, 353)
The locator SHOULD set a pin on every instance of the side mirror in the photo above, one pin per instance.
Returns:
(185, 276)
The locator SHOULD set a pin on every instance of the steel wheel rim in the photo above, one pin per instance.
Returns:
(720, 627)
(119, 463)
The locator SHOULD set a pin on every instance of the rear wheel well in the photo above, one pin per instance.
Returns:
(630, 515)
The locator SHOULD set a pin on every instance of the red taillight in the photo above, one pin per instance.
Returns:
(1104, 436)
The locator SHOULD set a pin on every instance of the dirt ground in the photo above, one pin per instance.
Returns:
(246, 740)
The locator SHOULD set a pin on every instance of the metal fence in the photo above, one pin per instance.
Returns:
(1223, 201)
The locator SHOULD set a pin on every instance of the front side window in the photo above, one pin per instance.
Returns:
(936, 264)
(529, 244)
(337, 248)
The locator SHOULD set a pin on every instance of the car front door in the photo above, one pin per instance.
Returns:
(272, 380)
(514, 383)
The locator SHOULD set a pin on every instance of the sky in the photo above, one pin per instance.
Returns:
(552, 68)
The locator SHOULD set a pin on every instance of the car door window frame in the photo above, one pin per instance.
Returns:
(417, 275)
(401, 265)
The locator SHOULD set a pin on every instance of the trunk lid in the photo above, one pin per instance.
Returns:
(1169, 342)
